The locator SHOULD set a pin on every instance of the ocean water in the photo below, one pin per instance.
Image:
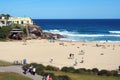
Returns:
(83, 29)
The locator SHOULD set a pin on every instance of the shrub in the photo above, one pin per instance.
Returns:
(39, 71)
(115, 73)
(52, 68)
(34, 64)
(103, 72)
(4, 32)
(63, 77)
(108, 73)
(68, 69)
(95, 70)
(41, 66)
(65, 69)
(89, 71)
(2, 36)
(80, 70)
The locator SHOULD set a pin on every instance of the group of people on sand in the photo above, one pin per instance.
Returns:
(48, 77)
(76, 62)
(71, 56)
(81, 52)
(30, 69)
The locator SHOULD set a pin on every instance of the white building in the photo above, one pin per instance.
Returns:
(6, 19)
(21, 20)
(3, 21)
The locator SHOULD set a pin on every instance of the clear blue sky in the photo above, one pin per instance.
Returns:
(62, 9)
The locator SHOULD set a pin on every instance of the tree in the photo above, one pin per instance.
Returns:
(4, 32)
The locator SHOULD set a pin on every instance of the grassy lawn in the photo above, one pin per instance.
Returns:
(5, 63)
(3, 39)
(12, 76)
(85, 76)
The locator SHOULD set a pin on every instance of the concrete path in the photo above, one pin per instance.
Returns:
(18, 69)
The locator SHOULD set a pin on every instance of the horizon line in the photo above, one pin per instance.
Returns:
(77, 19)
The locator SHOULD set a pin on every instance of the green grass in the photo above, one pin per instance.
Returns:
(5, 63)
(3, 39)
(74, 76)
(12, 76)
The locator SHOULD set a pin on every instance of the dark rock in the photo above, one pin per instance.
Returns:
(38, 32)
(46, 35)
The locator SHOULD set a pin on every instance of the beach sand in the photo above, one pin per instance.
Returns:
(87, 54)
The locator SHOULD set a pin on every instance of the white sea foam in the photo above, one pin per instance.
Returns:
(76, 34)
(115, 32)
(107, 41)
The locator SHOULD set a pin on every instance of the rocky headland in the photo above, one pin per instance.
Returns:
(35, 31)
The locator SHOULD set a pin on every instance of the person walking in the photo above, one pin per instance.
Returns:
(50, 78)
(76, 62)
(30, 69)
(25, 69)
(34, 70)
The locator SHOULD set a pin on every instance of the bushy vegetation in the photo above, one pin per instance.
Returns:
(18, 26)
(63, 77)
(94, 71)
(107, 73)
(52, 68)
(41, 70)
(81, 71)
(68, 69)
(4, 32)
(76, 76)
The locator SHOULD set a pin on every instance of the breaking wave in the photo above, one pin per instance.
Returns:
(114, 32)
(76, 36)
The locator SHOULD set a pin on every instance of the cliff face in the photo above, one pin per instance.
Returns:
(36, 31)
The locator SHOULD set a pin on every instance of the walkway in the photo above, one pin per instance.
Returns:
(18, 69)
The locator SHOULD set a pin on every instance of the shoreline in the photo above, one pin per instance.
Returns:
(101, 55)
(89, 41)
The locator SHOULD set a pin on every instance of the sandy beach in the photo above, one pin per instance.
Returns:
(101, 55)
